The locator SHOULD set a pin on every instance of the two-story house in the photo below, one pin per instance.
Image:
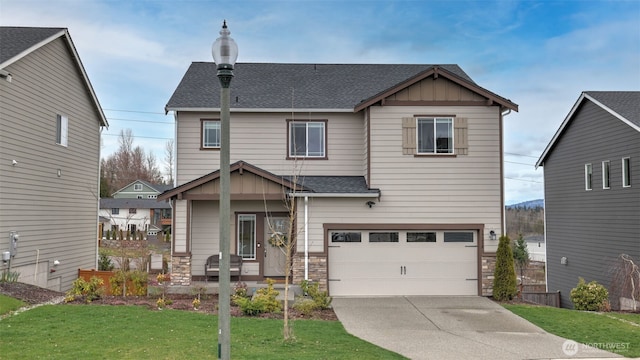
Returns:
(396, 172)
(50, 123)
(135, 208)
(592, 191)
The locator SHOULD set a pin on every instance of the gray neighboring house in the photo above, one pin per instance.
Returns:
(400, 177)
(50, 123)
(592, 190)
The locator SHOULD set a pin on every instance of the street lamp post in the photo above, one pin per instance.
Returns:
(225, 53)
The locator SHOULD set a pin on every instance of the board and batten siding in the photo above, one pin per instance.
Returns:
(261, 140)
(438, 189)
(590, 228)
(56, 216)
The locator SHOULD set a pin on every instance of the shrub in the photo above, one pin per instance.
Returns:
(504, 275)
(239, 292)
(135, 281)
(320, 298)
(85, 290)
(104, 262)
(589, 297)
(305, 306)
(9, 276)
(264, 301)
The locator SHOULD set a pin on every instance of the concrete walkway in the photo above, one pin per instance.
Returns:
(439, 327)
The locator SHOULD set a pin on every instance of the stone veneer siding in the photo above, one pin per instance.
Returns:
(181, 270)
(488, 268)
(317, 269)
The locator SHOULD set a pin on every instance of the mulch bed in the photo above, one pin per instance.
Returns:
(208, 304)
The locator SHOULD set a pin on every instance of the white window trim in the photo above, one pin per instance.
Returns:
(306, 146)
(606, 179)
(62, 130)
(255, 235)
(137, 187)
(202, 143)
(435, 145)
(626, 172)
(588, 182)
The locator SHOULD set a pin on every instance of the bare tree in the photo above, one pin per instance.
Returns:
(168, 161)
(625, 281)
(126, 165)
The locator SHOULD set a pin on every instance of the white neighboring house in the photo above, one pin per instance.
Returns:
(135, 208)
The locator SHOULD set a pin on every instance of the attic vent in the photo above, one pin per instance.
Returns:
(237, 98)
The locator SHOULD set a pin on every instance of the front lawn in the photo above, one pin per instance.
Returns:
(131, 332)
(8, 304)
(619, 333)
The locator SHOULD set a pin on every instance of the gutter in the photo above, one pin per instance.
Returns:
(336, 195)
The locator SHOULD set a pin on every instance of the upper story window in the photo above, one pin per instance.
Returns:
(626, 172)
(137, 187)
(435, 135)
(588, 176)
(62, 130)
(115, 211)
(132, 211)
(307, 139)
(605, 174)
(424, 135)
(210, 134)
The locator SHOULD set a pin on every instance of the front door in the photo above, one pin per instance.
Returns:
(275, 228)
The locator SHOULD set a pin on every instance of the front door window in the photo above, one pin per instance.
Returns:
(247, 236)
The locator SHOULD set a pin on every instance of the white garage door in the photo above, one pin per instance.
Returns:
(378, 263)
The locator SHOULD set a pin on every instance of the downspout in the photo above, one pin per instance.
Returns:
(502, 212)
(98, 212)
(306, 238)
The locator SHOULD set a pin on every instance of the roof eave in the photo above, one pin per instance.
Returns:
(257, 110)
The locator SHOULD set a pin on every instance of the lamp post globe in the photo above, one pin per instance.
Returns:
(225, 53)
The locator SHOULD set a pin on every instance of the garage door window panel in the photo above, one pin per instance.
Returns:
(421, 237)
(458, 237)
(342, 237)
(383, 237)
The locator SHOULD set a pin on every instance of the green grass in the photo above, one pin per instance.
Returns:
(586, 327)
(130, 332)
(8, 304)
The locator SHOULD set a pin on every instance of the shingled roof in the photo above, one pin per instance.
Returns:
(302, 86)
(625, 103)
(14, 40)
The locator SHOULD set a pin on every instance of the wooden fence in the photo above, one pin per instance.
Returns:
(104, 275)
(543, 298)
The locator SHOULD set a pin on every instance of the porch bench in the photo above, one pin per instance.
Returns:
(212, 266)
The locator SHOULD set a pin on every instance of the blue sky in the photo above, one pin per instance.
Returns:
(539, 54)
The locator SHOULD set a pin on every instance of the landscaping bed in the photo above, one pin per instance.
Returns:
(35, 295)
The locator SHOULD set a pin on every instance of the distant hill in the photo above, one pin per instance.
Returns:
(531, 204)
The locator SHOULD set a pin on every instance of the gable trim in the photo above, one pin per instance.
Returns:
(239, 166)
(436, 71)
(568, 119)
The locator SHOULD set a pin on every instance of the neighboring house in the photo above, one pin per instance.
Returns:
(50, 123)
(592, 190)
(399, 175)
(135, 208)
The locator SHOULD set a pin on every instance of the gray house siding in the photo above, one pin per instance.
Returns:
(50, 197)
(590, 228)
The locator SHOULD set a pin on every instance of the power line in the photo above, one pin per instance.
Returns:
(145, 121)
(515, 154)
(513, 162)
(532, 181)
(136, 111)
(142, 137)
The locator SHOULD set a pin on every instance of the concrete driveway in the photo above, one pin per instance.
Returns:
(442, 327)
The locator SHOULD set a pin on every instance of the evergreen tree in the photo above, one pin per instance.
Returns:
(521, 257)
(504, 275)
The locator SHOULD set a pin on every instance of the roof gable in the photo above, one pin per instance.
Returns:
(328, 87)
(622, 105)
(18, 42)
